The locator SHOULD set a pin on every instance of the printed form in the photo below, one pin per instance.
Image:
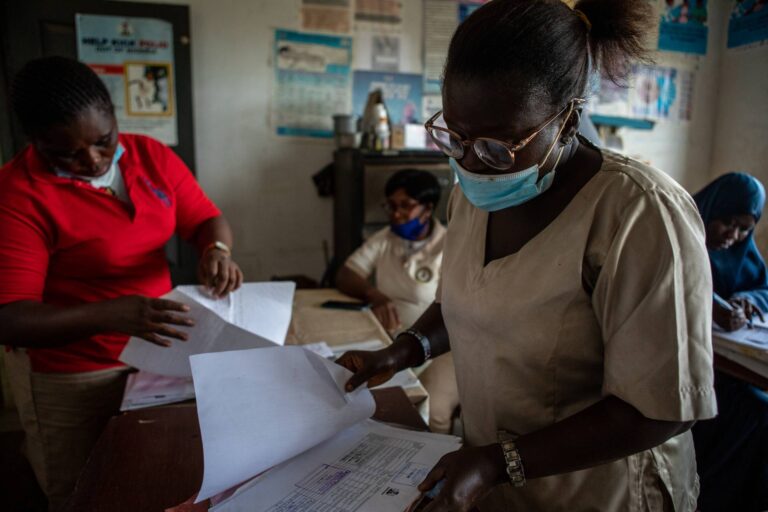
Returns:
(369, 467)
(279, 420)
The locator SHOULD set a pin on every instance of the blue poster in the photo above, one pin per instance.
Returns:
(749, 23)
(684, 26)
(312, 82)
(661, 93)
(467, 8)
(134, 59)
(402, 94)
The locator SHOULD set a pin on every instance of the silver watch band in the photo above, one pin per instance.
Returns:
(425, 345)
(512, 458)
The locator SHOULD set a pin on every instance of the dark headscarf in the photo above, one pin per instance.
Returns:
(739, 269)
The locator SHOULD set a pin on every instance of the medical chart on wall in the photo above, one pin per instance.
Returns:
(661, 93)
(748, 24)
(378, 11)
(440, 21)
(312, 82)
(326, 16)
(401, 92)
(683, 26)
(134, 58)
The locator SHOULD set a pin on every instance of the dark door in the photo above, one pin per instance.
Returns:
(37, 28)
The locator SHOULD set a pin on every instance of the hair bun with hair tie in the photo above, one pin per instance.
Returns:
(583, 18)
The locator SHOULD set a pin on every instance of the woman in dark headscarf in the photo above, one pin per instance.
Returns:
(732, 449)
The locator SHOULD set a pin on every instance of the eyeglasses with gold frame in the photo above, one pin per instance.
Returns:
(495, 153)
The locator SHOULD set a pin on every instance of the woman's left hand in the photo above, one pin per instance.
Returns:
(469, 475)
(218, 272)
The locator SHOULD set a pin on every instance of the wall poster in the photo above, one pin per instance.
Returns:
(662, 93)
(312, 82)
(402, 94)
(684, 27)
(134, 58)
(748, 24)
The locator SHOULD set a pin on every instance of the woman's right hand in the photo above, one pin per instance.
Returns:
(372, 366)
(146, 318)
(378, 366)
(730, 320)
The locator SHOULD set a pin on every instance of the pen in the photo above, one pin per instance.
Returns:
(727, 305)
(430, 494)
(722, 302)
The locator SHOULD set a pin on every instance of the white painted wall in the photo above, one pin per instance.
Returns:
(262, 182)
(740, 141)
(683, 149)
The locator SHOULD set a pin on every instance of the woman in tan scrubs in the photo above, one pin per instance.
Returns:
(575, 292)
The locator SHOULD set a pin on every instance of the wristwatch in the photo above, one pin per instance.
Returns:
(426, 346)
(221, 246)
(512, 459)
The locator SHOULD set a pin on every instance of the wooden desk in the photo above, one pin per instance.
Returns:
(311, 323)
(734, 369)
(151, 459)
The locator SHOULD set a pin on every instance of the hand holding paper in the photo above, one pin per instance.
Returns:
(260, 407)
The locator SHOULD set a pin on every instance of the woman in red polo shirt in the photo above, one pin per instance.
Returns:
(85, 214)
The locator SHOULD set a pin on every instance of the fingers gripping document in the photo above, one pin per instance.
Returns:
(257, 315)
(277, 426)
(261, 308)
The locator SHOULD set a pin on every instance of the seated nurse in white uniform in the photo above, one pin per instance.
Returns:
(404, 258)
(575, 285)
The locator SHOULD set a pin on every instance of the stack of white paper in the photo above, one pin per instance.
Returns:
(261, 312)
(261, 308)
(747, 346)
(144, 389)
(256, 315)
(285, 408)
(752, 342)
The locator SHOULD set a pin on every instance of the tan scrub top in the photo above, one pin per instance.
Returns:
(406, 272)
(612, 298)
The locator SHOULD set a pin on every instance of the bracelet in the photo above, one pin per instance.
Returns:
(512, 458)
(217, 245)
(425, 345)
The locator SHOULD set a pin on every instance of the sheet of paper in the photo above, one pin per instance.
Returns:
(321, 348)
(144, 389)
(258, 408)
(440, 22)
(359, 345)
(752, 342)
(368, 467)
(210, 334)
(261, 308)
(326, 16)
(751, 363)
(404, 379)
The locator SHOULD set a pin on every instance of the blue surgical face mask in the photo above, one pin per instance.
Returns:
(492, 192)
(498, 191)
(104, 177)
(409, 230)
